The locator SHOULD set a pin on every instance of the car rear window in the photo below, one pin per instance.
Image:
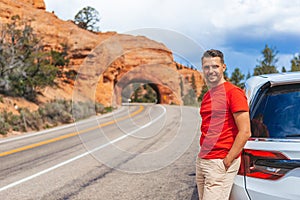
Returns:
(277, 113)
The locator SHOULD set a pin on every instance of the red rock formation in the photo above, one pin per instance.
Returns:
(106, 62)
(39, 4)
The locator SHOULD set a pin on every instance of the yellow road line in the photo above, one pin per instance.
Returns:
(31, 146)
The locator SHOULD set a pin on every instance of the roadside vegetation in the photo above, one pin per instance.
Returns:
(26, 68)
(49, 115)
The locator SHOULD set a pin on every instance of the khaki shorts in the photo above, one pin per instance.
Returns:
(213, 181)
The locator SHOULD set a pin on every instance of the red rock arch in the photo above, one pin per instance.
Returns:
(121, 60)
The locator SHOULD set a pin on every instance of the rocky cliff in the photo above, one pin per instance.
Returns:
(105, 62)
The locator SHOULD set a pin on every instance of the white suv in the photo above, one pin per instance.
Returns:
(270, 168)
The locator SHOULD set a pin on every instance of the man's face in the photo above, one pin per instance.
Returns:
(213, 70)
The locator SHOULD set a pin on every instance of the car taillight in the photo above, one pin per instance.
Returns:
(262, 164)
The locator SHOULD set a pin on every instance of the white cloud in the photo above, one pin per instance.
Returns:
(198, 19)
(203, 16)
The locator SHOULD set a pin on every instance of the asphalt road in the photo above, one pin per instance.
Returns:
(137, 152)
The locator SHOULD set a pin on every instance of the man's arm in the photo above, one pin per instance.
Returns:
(242, 121)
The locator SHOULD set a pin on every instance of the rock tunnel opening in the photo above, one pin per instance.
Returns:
(157, 83)
(141, 92)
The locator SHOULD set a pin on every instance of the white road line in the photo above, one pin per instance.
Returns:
(81, 155)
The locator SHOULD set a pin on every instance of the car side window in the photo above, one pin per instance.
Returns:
(278, 113)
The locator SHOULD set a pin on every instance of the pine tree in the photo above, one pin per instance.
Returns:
(181, 87)
(24, 66)
(295, 63)
(248, 75)
(87, 18)
(237, 77)
(194, 86)
(203, 91)
(267, 64)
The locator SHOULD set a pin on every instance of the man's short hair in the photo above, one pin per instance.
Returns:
(213, 53)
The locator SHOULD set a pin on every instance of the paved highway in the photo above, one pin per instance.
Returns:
(137, 152)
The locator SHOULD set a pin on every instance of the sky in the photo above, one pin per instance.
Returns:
(239, 28)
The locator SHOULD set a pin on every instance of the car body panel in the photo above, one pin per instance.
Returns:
(238, 190)
(286, 187)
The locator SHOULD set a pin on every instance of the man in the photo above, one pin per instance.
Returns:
(225, 130)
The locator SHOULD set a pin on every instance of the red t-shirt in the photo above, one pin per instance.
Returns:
(218, 126)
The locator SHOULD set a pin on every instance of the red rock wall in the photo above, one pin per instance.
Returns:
(39, 4)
